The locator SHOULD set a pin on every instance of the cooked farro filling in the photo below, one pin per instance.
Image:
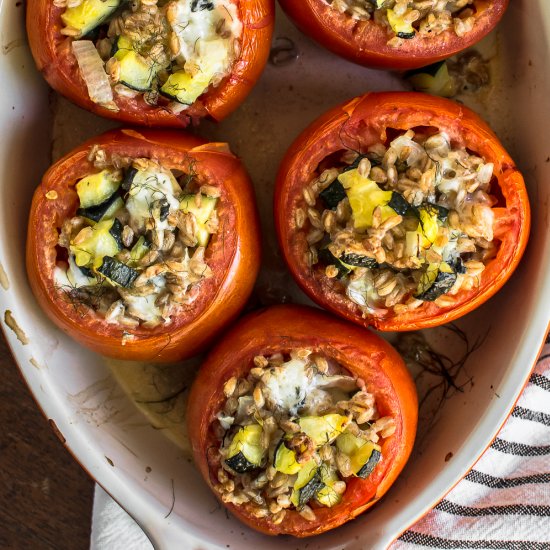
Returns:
(135, 250)
(407, 19)
(293, 433)
(171, 52)
(404, 224)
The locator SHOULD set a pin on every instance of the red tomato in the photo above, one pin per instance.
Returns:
(365, 121)
(233, 253)
(54, 58)
(362, 353)
(366, 42)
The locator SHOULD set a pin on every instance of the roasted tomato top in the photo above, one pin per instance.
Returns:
(400, 211)
(396, 34)
(299, 422)
(143, 245)
(153, 64)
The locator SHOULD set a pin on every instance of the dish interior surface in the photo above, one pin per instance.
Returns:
(139, 454)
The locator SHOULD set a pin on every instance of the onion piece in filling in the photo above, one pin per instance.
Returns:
(135, 250)
(403, 224)
(292, 432)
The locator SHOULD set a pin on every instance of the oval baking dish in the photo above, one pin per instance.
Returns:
(149, 64)
(395, 34)
(144, 245)
(400, 211)
(299, 422)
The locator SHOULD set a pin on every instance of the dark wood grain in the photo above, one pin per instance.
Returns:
(45, 497)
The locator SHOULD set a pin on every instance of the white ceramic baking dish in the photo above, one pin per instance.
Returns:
(150, 474)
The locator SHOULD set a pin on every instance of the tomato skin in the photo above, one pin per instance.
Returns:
(280, 329)
(53, 57)
(233, 253)
(365, 42)
(361, 122)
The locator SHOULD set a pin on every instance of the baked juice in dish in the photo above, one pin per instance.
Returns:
(143, 245)
(299, 422)
(401, 211)
(396, 34)
(150, 62)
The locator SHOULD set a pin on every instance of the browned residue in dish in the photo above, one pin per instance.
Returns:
(35, 363)
(11, 45)
(4, 281)
(12, 323)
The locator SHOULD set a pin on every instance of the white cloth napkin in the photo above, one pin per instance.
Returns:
(502, 504)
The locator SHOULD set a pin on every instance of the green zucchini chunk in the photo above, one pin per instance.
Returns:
(433, 79)
(369, 466)
(323, 429)
(139, 250)
(89, 14)
(400, 26)
(437, 280)
(364, 455)
(240, 464)
(326, 257)
(201, 213)
(117, 272)
(365, 196)
(245, 453)
(129, 176)
(333, 194)
(357, 260)
(95, 189)
(430, 70)
(185, 88)
(441, 212)
(106, 209)
(326, 495)
(307, 484)
(285, 460)
(116, 232)
(398, 203)
(99, 242)
(121, 47)
(135, 72)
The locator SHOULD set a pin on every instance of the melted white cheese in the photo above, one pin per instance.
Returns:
(144, 307)
(288, 384)
(289, 387)
(147, 188)
(201, 48)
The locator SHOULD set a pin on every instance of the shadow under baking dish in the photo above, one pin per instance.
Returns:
(128, 453)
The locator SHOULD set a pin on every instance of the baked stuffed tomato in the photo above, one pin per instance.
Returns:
(396, 34)
(149, 62)
(299, 422)
(143, 245)
(401, 211)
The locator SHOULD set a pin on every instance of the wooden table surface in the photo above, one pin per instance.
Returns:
(45, 497)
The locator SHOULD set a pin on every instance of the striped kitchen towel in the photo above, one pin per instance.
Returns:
(504, 502)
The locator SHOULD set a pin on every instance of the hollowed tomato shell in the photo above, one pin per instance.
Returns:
(366, 42)
(362, 353)
(53, 55)
(365, 121)
(233, 253)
